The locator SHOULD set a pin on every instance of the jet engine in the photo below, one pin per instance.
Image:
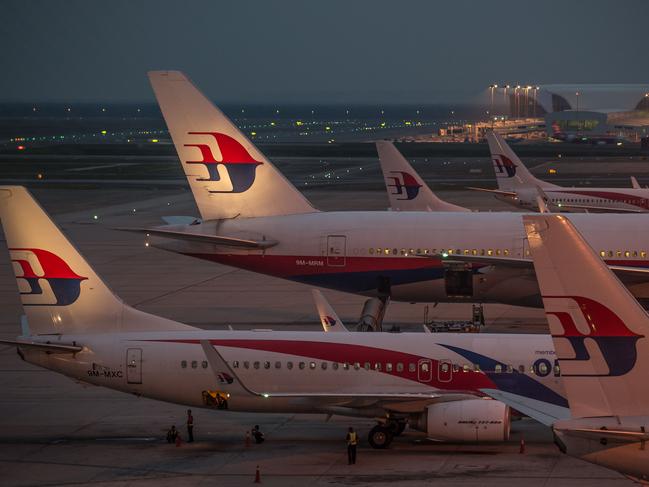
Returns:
(470, 420)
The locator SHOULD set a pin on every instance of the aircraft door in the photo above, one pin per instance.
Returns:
(424, 370)
(336, 250)
(458, 280)
(134, 366)
(445, 371)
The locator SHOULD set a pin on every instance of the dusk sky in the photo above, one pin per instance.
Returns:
(320, 52)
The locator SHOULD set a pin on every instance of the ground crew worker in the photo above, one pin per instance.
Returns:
(352, 441)
(190, 426)
(257, 434)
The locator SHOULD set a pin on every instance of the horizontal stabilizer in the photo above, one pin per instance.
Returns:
(181, 220)
(202, 238)
(495, 191)
(598, 434)
(44, 347)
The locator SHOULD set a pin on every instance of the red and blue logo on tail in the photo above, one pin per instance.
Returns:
(328, 321)
(607, 332)
(404, 184)
(504, 165)
(239, 164)
(63, 281)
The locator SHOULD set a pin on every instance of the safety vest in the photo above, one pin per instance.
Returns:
(352, 438)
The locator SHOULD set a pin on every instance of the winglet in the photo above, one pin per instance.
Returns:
(634, 183)
(328, 317)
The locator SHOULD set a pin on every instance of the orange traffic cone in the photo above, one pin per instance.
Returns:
(257, 476)
(247, 439)
(522, 448)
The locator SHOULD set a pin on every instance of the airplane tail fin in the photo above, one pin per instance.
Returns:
(511, 173)
(59, 290)
(228, 176)
(406, 190)
(328, 317)
(599, 329)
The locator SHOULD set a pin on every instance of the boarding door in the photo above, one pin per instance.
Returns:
(424, 370)
(336, 249)
(445, 371)
(134, 366)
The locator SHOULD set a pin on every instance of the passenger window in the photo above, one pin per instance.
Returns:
(521, 369)
(367, 366)
(371, 250)
(204, 364)
(255, 365)
(506, 252)
(345, 366)
(183, 364)
(302, 365)
(235, 364)
(194, 364)
(498, 369)
(456, 368)
(510, 369)
(394, 251)
(388, 367)
(334, 366)
(278, 365)
(246, 365)
(602, 253)
(610, 253)
(324, 365)
(357, 365)
(266, 365)
(490, 252)
(377, 366)
(476, 367)
(412, 367)
(289, 365)
(474, 251)
(444, 367)
(312, 365)
(465, 368)
(627, 253)
(643, 254)
(400, 367)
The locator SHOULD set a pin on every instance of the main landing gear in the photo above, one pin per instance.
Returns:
(382, 434)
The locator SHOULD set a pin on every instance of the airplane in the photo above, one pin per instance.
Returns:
(518, 187)
(77, 327)
(406, 190)
(601, 338)
(252, 218)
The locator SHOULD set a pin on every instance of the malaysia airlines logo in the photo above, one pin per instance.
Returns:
(34, 267)
(328, 321)
(404, 185)
(599, 344)
(238, 163)
(504, 165)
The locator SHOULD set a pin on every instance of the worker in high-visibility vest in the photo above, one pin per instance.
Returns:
(352, 441)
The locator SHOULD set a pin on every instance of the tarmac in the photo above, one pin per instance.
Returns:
(57, 432)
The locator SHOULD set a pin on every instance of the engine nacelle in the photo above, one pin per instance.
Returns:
(470, 420)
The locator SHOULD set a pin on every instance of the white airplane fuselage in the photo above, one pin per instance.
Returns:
(593, 200)
(336, 369)
(373, 252)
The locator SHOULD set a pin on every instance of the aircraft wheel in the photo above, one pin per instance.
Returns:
(380, 437)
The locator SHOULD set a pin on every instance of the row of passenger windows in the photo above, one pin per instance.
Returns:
(623, 253)
(633, 201)
(541, 368)
(406, 252)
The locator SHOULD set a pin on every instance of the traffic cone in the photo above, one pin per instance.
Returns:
(247, 439)
(522, 448)
(257, 476)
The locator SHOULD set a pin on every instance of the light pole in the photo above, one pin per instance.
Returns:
(578, 121)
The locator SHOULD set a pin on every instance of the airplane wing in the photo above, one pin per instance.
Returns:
(495, 191)
(45, 347)
(598, 209)
(397, 401)
(598, 434)
(542, 412)
(328, 317)
(202, 238)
